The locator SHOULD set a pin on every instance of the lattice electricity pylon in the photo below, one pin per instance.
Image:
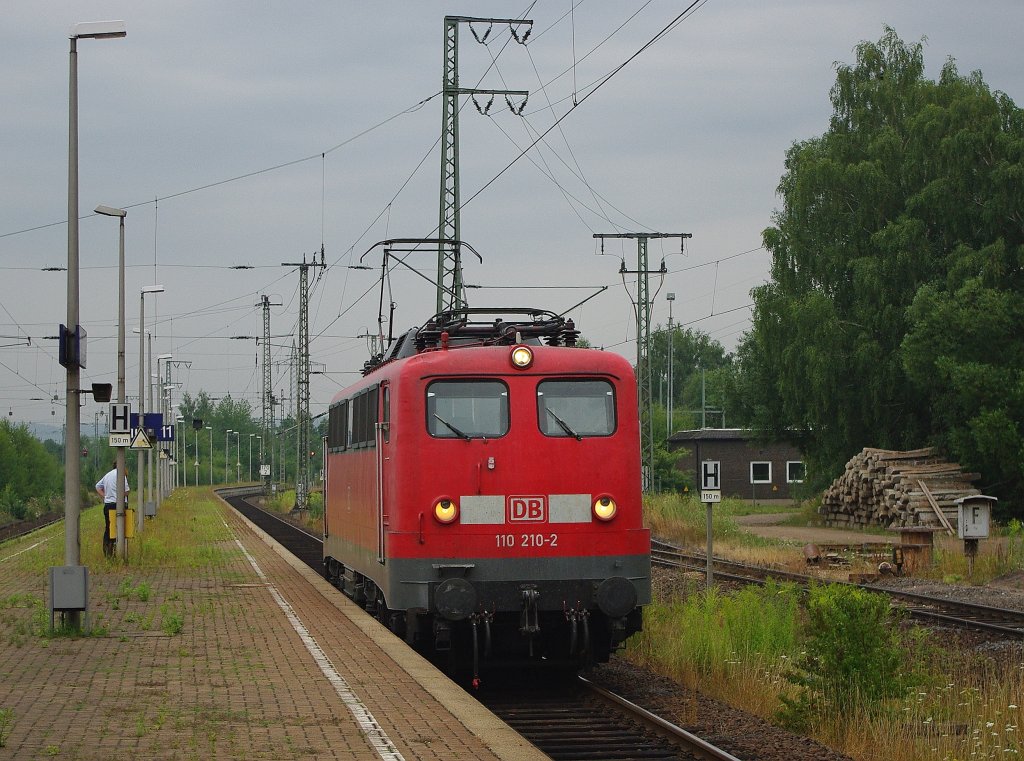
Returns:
(267, 418)
(302, 421)
(643, 342)
(450, 290)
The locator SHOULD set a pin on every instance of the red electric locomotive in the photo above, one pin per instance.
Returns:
(483, 491)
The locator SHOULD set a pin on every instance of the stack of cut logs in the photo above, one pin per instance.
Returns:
(882, 487)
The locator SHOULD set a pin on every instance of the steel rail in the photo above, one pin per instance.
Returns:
(926, 607)
(698, 746)
(12, 531)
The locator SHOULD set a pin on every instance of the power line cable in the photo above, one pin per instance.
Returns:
(319, 154)
(689, 10)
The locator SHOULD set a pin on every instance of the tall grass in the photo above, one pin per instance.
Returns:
(742, 647)
(188, 533)
(735, 642)
(684, 518)
(284, 501)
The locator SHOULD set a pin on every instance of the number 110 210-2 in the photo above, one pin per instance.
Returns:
(508, 541)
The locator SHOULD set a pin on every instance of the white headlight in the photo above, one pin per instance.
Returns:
(522, 357)
(445, 511)
(605, 508)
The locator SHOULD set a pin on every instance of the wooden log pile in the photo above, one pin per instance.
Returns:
(882, 487)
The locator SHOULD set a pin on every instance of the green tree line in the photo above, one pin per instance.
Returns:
(230, 452)
(895, 309)
(32, 471)
(31, 477)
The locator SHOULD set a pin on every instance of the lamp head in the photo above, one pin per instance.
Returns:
(110, 211)
(152, 289)
(98, 30)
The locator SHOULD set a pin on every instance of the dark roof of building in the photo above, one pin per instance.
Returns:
(713, 434)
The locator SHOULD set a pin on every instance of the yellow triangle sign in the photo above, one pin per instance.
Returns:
(140, 440)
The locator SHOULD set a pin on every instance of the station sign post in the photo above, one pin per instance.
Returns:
(710, 493)
(120, 425)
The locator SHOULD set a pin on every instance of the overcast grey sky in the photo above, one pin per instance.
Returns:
(209, 121)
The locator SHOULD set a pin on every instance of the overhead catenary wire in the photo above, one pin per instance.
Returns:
(265, 170)
(690, 9)
(343, 307)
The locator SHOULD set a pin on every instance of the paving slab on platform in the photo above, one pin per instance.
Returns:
(244, 656)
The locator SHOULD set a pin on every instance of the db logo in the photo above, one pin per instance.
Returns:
(527, 509)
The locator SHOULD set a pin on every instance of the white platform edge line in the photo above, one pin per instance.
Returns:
(375, 734)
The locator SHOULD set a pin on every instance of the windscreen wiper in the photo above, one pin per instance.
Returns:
(563, 425)
(452, 428)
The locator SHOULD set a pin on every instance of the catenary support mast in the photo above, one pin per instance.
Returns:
(267, 391)
(302, 420)
(643, 341)
(450, 289)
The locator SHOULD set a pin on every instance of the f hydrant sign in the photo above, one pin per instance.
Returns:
(973, 514)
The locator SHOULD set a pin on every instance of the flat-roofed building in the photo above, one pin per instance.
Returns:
(750, 469)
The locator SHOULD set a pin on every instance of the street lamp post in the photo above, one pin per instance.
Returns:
(227, 435)
(72, 466)
(238, 458)
(154, 380)
(142, 391)
(251, 436)
(210, 429)
(172, 473)
(122, 498)
(670, 297)
(142, 401)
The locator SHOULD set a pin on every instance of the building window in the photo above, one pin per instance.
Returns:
(795, 472)
(760, 472)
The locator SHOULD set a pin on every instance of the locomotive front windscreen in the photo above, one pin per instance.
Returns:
(576, 408)
(462, 409)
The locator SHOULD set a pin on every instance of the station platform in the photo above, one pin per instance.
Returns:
(211, 642)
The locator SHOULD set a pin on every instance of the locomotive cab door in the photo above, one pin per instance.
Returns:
(383, 459)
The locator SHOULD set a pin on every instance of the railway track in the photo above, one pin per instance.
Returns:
(955, 613)
(23, 528)
(305, 546)
(575, 721)
(579, 720)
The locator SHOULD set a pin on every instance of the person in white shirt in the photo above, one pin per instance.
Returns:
(106, 487)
